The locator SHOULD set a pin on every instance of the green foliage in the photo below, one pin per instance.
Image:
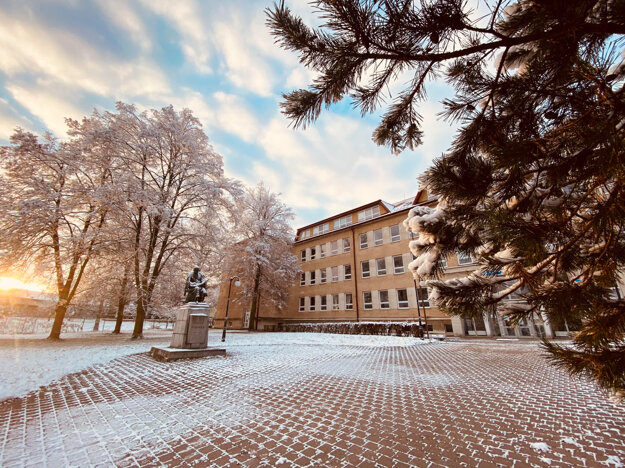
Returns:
(532, 186)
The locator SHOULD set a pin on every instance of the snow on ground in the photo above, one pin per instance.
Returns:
(30, 361)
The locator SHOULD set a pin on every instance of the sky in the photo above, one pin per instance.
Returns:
(65, 58)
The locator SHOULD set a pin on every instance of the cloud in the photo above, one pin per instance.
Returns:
(128, 20)
(10, 118)
(189, 22)
(47, 105)
(66, 58)
(233, 116)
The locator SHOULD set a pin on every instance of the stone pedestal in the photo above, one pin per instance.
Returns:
(190, 335)
(191, 327)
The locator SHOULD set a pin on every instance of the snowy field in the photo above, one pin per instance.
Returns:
(30, 361)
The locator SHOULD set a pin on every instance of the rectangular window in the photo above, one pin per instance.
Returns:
(302, 304)
(335, 274)
(346, 245)
(302, 278)
(364, 268)
(349, 305)
(384, 304)
(324, 302)
(322, 276)
(312, 277)
(367, 300)
(322, 251)
(395, 237)
(369, 213)
(321, 229)
(312, 303)
(377, 237)
(303, 255)
(398, 264)
(335, 302)
(342, 222)
(304, 234)
(464, 258)
(334, 247)
(364, 242)
(347, 269)
(424, 294)
(402, 298)
(381, 266)
(313, 253)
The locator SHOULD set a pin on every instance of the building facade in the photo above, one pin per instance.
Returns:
(354, 267)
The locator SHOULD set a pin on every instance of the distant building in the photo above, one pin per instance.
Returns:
(24, 302)
(355, 268)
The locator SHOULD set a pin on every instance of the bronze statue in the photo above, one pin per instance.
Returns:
(195, 289)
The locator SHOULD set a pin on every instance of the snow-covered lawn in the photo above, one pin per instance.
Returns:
(30, 361)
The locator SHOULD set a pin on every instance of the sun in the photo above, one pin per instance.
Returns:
(13, 283)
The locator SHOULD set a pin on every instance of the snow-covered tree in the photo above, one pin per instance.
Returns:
(171, 175)
(54, 200)
(532, 186)
(263, 258)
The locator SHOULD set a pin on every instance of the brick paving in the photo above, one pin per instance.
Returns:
(464, 403)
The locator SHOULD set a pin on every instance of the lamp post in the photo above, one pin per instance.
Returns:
(416, 289)
(237, 284)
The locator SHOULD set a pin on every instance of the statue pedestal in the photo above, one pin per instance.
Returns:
(190, 335)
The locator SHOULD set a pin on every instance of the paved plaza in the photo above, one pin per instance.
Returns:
(279, 401)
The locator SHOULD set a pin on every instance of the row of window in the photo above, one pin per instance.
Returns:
(380, 266)
(363, 215)
(322, 278)
(345, 302)
(344, 272)
(335, 247)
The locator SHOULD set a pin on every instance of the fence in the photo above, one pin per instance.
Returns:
(37, 325)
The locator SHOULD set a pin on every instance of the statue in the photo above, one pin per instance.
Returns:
(195, 289)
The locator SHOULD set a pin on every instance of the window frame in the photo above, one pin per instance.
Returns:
(322, 252)
(395, 238)
(387, 303)
(347, 245)
(311, 304)
(335, 302)
(313, 253)
(364, 245)
(323, 276)
(302, 279)
(395, 267)
(323, 303)
(362, 271)
(303, 255)
(367, 305)
(402, 303)
(302, 304)
(379, 272)
(335, 278)
(313, 277)
(349, 304)
(334, 247)
(377, 241)
(345, 274)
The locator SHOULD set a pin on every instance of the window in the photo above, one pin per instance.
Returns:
(364, 268)
(395, 233)
(424, 294)
(398, 264)
(443, 262)
(384, 304)
(335, 274)
(302, 304)
(342, 222)
(367, 300)
(349, 305)
(347, 270)
(364, 243)
(377, 237)
(324, 303)
(321, 229)
(412, 235)
(322, 250)
(312, 303)
(464, 258)
(313, 253)
(335, 302)
(304, 234)
(346, 245)
(322, 276)
(381, 266)
(402, 298)
(312, 277)
(303, 255)
(302, 278)
(334, 247)
(369, 213)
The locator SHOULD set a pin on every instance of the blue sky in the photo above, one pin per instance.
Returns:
(63, 58)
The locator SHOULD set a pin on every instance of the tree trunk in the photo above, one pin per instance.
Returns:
(141, 306)
(122, 300)
(59, 315)
(254, 311)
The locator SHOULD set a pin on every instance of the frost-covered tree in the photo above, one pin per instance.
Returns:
(262, 258)
(532, 186)
(54, 201)
(169, 175)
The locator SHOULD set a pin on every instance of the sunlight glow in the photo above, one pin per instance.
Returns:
(13, 283)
